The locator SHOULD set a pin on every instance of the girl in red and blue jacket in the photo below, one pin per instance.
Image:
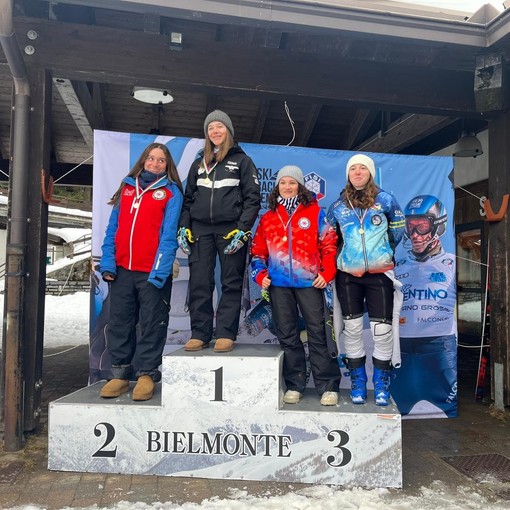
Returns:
(138, 255)
(293, 256)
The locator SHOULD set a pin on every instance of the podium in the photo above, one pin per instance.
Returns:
(222, 416)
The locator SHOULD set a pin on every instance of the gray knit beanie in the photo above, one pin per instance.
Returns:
(219, 116)
(290, 171)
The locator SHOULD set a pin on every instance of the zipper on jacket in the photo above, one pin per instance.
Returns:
(365, 256)
(291, 271)
(158, 261)
(133, 223)
(212, 198)
(289, 238)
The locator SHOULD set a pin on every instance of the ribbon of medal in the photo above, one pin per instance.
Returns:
(208, 171)
(140, 192)
(361, 217)
(285, 225)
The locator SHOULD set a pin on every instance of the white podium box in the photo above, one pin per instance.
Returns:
(221, 415)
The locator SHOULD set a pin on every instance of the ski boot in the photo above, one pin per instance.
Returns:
(358, 377)
(381, 379)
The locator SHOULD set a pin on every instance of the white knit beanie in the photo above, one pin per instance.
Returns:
(290, 171)
(219, 116)
(361, 159)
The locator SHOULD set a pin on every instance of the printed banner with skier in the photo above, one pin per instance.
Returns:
(426, 382)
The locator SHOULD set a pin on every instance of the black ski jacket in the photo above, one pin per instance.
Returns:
(225, 199)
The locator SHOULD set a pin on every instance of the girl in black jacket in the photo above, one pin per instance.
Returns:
(221, 203)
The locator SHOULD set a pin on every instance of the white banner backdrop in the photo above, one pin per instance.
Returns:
(429, 291)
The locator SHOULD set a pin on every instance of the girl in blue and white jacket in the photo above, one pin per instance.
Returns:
(370, 224)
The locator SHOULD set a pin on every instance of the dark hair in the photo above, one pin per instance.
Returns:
(171, 170)
(219, 156)
(362, 198)
(305, 197)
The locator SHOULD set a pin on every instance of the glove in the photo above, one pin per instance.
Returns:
(184, 237)
(239, 238)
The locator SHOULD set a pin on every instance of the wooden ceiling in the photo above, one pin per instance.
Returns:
(343, 89)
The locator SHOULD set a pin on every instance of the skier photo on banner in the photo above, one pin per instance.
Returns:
(428, 338)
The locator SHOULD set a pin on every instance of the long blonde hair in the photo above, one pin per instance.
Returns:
(219, 156)
(171, 170)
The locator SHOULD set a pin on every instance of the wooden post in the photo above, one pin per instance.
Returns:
(499, 259)
(37, 240)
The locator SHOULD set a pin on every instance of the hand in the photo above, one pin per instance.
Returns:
(108, 276)
(319, 282)
(266, 282)
(175, 269)
(184, 237)
(239, 237)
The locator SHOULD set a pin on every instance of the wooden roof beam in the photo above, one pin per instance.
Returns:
(312, 15)
(260, 121)
(97, 116)
(106, 55)
(73, 104)
(404, 132)
(309, 124)
(360, 124)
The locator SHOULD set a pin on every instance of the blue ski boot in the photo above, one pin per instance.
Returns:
(381, 379)
(358, 377)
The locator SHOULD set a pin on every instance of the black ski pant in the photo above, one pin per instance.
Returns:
(373, 289)
(133, 300)
(202, 263)
(284, 305)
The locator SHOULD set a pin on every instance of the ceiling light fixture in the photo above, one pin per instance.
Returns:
(468, 146)
(152, 96)
(175, 41)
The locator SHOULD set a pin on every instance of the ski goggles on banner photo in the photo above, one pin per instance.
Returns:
(421, 226)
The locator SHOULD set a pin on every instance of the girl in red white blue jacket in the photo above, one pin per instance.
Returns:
(293, 256)
(138, 255)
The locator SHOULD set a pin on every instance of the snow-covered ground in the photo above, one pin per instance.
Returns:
(66, 319)
(321, 497)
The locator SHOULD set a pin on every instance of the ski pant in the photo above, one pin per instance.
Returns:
(202, 263)
(133, 300)
(284, 305)
(375, 291)
(428, 373)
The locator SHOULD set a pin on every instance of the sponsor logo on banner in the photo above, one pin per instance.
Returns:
(316, 184)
